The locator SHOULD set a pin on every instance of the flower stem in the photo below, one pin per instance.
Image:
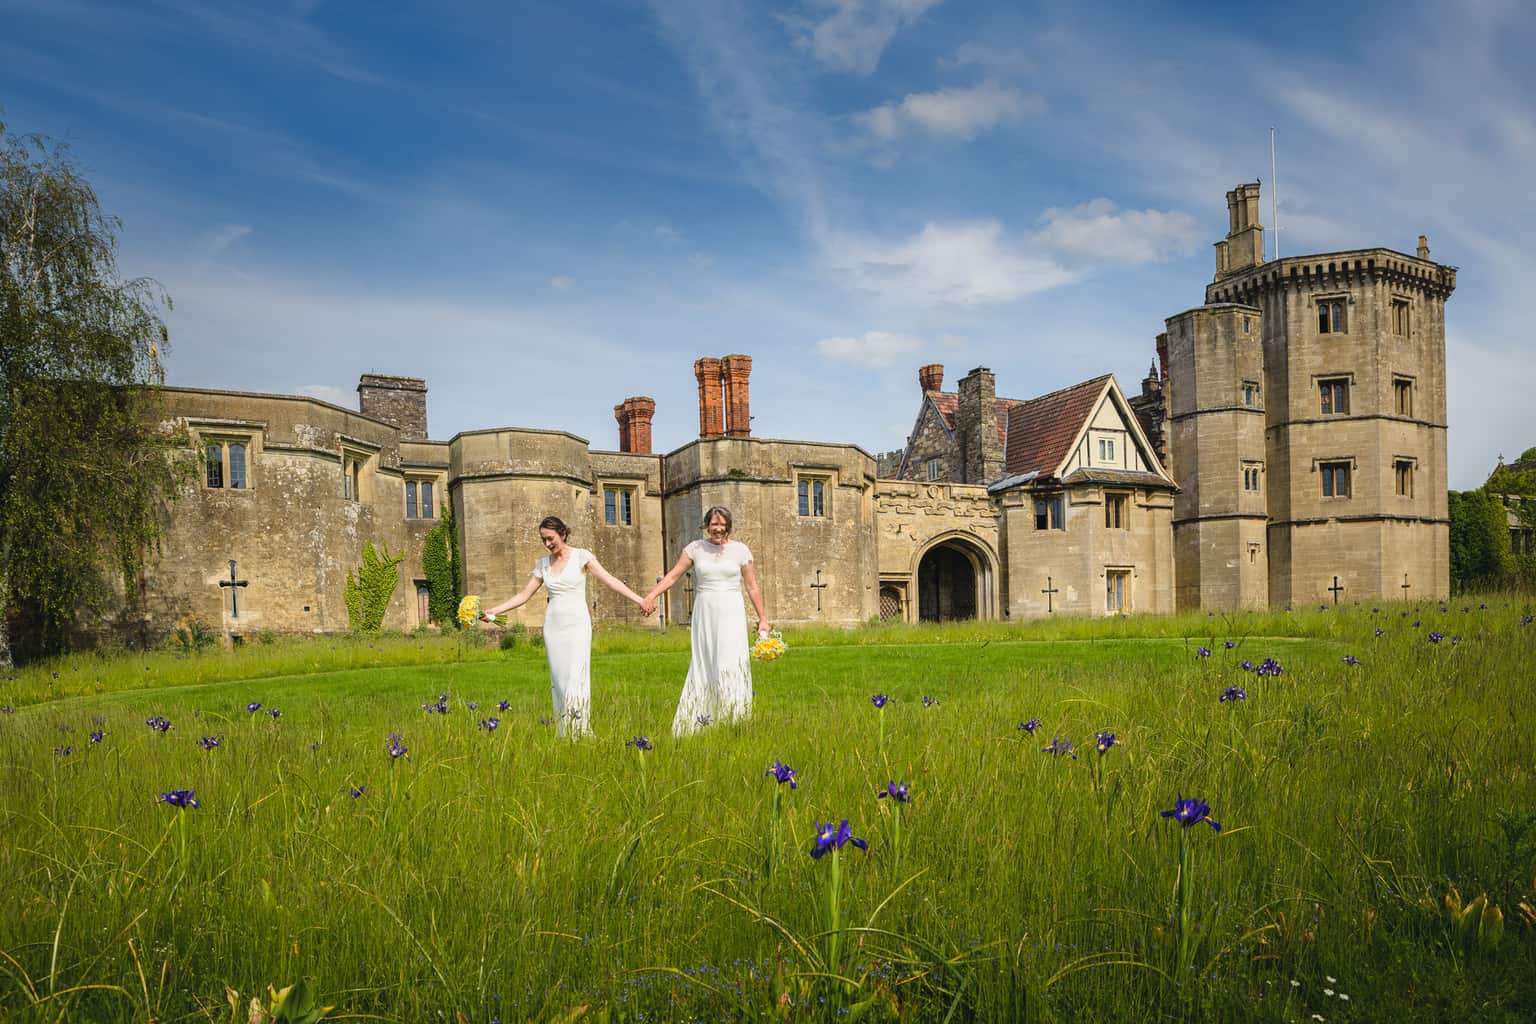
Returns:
(834, 928)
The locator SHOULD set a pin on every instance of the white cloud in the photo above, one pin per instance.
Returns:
(223, 237)
(994, 59)
(965, 264)
(875, 349)
(854, 33)
(1096, 232)
(952, 114)
(562, 282)
(330, 393)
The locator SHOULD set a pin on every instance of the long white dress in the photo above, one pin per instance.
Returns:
(719, 683)
(568, 641)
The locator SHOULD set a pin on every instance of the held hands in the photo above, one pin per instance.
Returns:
(647, 606)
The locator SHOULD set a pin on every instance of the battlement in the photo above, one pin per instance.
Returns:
(1335, 270)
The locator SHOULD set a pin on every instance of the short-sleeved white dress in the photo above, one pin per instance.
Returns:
(568, 641)
(719, 683)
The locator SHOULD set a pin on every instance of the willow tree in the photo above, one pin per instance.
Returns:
(82, 480)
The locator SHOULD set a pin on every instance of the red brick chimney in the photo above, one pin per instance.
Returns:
(711, 415)
(931, 377)
(634, 416)
(738, 412)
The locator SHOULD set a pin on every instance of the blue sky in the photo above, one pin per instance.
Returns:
(544, 207)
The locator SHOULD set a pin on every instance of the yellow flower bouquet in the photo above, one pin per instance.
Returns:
(469, 611)
(770, 647)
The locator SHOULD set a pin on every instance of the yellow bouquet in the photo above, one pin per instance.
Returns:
(770, 647)
(469, 610)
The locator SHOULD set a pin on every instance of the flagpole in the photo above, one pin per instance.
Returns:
(1274, 193)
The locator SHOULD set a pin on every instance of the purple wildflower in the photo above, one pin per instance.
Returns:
(1435, 638)
(209, 742)
(547, 720)
(880, 700)
(1059, 746)
(64, 751)
(640, 743)
(357, 791)
(504, 705)
(929, 702)
(1029, 726)
(8, 709)
(473, 705)
(1233, 693)
(1229, 644)
(159, 723)
(1269, 667)
(97, 735)
(253, 707)
(1246, 666)
(397, 748)
(1191, 812)
(1526, 621)
(703, 720)
(1105, 740)
(831, 838)
(1381, 632)
(782, 773)
(490, 724)
(1202, 652)
(274, 712)
(898, 794)
(179, 798)
(1351, 660)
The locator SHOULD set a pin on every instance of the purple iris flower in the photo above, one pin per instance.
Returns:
(640, 743)
(436, 707)
(832, 838)
(55, 675)
(1350, 659)
(1233, 693)
(547, 720)
(879, 700)
(1417, 623)
(1202, 652)
(357, 791)
(97, 735)
(1058, 747)
(1229, 644)
(929, 702)
(1526, 621)
(253, 707)
(9, 709)
(782, 773)
(503, 705)
(898, 794)
(703, 720)
(159, 723)
(474, 705)
(1455, 640)
(397, 748)
(1482, 607)
(1381, 632)
(64, 751)
(1105, 740)
(209, 742)
(274, 712)
(1270, 667)
(1246, 666)
(1191, 812)
(179, 798)
(490, 724)
(1030, 726)
(1435, 638)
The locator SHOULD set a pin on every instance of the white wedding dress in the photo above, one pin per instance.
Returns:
(568, 641)
(719, 683)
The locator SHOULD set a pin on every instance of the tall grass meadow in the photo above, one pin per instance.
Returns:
(1060, 821)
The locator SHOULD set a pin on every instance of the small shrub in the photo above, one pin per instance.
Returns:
(192, 634)
(266, 636)
(508, 640)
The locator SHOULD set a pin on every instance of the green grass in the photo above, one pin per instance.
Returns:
(511, 875)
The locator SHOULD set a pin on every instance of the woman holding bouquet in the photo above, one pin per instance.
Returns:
(567, 623)
(719, 683)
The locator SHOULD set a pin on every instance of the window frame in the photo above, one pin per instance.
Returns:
(1117, 590)
(356, 471)
(226, 442)
(813, 495)
(1054, 509)
(1332, 314)
(620, 510)
(1329, 389)
(1402, 387)
(1250, 394)
(425, 505)
(932, 469)
(1332, 471)
(1403, 469)
(1402, 317)
(1255, 470)
(1117, 507)
(1107, 451)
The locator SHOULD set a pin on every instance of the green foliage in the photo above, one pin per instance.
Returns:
(192, 634)
(440, 562)
(82, 482)
(1479, 540)
(1505, 480)
(368, 592)
(1529, 455)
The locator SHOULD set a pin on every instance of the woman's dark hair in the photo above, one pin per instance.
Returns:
(717, 510)
(557, 524)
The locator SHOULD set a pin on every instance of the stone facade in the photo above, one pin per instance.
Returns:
(1299, 412)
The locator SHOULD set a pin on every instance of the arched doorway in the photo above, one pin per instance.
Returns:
(949, 583)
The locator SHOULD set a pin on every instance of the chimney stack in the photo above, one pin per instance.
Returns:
(981, 442)
(634, 416)
(711, 415)
(931, 377)
(399, 401)
(738, 414)
(1423, 247)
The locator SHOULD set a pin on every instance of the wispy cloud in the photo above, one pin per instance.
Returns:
(850, 35)
(1097, 233)
(562, 282)
(957, 114)
(964, 264)
(873, 349)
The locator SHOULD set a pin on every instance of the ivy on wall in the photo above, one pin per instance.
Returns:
(440, 563)
(367, 593)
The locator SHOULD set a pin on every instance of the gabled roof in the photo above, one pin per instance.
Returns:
(947, 405)
(1042, 431)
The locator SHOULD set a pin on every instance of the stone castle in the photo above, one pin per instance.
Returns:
(1288, 446)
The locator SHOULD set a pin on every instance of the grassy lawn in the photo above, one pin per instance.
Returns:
(506, 874)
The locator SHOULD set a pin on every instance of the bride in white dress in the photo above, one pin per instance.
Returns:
(719, 683)
(567, 623)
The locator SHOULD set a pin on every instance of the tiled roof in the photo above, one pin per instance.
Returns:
(948, 404)
(1041, 430)
(1096, 475)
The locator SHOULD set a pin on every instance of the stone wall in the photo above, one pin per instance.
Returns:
(932, 439)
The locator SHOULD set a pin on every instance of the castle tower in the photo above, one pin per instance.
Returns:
(1353, 393)
(1215, 406)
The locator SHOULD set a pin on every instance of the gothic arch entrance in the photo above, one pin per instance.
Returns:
(954, 582)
